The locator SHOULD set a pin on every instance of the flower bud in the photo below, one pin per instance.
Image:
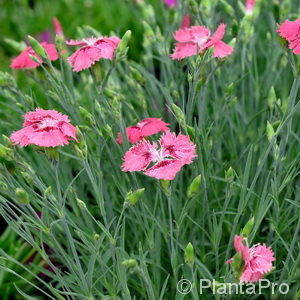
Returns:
(194, 187)
(6, 153)
(248, 228)
(22, 196)
(133, 197)
(137, 75)
(18, 46)
(227, 8)
(272, 99)
(80, 203)
(37, 47)
(189, 256)
(165, 185)
(96, 237)
(87, 116)
(270, 131)
(179, 116)
(229, 175)
(3, 186)
(123, 45)
(27, 177)
(129, 263)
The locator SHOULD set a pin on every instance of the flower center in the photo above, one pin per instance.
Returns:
(48, 122)
(200, 40)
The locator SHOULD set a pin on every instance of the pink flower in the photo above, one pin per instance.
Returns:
(290, 30)
(197, 39)
(172, 153)
(44, 128)
(143, 128)
(250, 6)
(257, 260)
(57, 27)
(91, 51)
(23, 60)
(170, 3)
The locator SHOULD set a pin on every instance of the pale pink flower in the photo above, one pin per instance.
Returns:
(44, 128)
(250, 6)
(170, 3)
(57, 27)
(197, 39)
(167, 158)
(257, 260)
(143, 129)
(91, 51)
(23, 60)
(290, 30)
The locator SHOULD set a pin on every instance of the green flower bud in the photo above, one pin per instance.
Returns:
(96, 236)
(3, 186)
(194, 187)
(272, 99)
(227, 8)
(179, 115)
(37, 47)
(165, 185)
(189, 256)
(80, 203)
(133, 197)
(87, 116)
(229, 175)
(22, 196)
(18, 46)
(6, 153)
(270, 131)
(137, 75)
(123, 45)
(248, 228)
(191, 132)
(129, 263)
(27, 177)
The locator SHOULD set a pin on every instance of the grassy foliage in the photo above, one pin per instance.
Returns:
(241, 112)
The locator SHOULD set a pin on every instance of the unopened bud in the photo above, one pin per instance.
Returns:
(229, 175)
(133, 197)
(123, 45)
(165, 185)
(87, 116)
(272, 99)
(37, 47)
(189, 255)
(81, 204)
(129, 263)
(194, 187)
(270, 131)
(22, 196)
(248, 228)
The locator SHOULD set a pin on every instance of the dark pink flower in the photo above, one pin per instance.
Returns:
(23, 60)
(57, 27)
(167, 158)
(170, 3)
(250, 6)
(197, 39)
(257, 260)
(91, 51)
(44, 128)
(290, 30)
(143, 129)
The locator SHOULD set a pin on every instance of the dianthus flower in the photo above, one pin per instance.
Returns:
(44, 128)
(290, 30)
(143, 129)
(91, 51)
(197, 39)
(172, 153)
(23, 60)
(257, 260)
(250, 6)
